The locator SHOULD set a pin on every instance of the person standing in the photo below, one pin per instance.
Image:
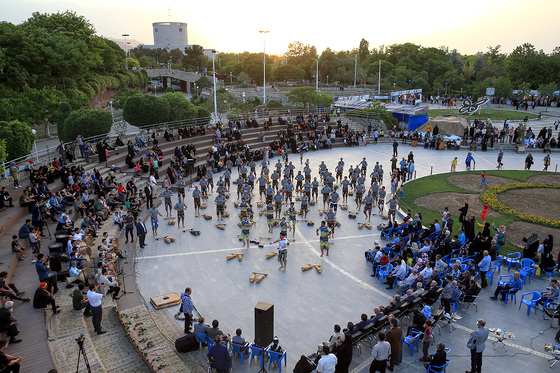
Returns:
(324, 232)
(380, 354)
(188, 307)
(484, 266)
(454, 165)
(148, 191)
(546, 162)
(141, 231)
(129, 222)
(500, 157)
(154, 219)
(468, 161)
(477, 344)
(394, 339)
(528, 161)
(180, 207)
(95, 305)
(282, 250)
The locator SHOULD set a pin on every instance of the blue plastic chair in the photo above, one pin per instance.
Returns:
(240, 349)
(548, 300)
(498, 262)
(534, 296)
(490, 274)
(387, 232)
(384, 271)
(548, 270)
(412, 340)
(278, 357)
(454, 302)
(257, 351)
(504, 279)
(202, 338)
(438, 369)
(512, 259)
(527, 269)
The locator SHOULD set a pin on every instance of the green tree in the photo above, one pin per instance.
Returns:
(363, 50)
(141, 110)
(203, 82)
(179, 107)
(307, 96)
(119, 98)
(194, 58)
(300, 54)
(19, 138)
(87, 123)
(288, 73)
(3, 155)
(146, 61)
(64, 110)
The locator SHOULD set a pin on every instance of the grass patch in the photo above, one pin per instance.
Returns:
(494, 114)
(438, 184)
(517, 175)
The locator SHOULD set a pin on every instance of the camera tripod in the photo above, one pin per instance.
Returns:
(82, 352)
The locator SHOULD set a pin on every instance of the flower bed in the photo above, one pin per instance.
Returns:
(491, 199)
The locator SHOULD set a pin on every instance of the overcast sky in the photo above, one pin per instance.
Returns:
(468, 26)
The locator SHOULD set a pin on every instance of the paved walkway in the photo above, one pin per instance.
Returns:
(308, 304)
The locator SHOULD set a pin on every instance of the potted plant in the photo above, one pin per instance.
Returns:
(520, 142)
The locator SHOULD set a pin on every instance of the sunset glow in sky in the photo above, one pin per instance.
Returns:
(232, 26)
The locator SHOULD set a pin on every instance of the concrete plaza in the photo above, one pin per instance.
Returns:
(308, 304)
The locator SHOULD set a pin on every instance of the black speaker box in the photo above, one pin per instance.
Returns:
(187, 343)
(264, 323)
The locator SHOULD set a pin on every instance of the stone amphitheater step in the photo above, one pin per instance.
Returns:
(64, 328)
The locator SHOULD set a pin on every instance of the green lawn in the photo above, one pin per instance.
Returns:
(494, 114)
(438, 184)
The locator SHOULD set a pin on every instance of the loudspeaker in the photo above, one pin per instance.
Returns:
(264, 323)
(55, 262)
(187, 343)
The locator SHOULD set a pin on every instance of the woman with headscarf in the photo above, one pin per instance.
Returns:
(344, 355)
(531, 245)
(547, 249)
(463, 210)
(500, 237)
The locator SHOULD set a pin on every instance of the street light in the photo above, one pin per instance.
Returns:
(125, 51)
(355, 68)
(317, 77)
(327, 80)
(214, 78)
(264, 32)
(230, 78)
(446, 89)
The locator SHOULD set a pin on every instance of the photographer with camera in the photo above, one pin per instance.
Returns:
(42, 267)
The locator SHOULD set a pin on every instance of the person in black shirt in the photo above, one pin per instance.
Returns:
(437, 359)
(8, 363)
(8, 323)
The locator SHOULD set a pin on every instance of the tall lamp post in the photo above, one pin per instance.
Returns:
(446, 89)
(214, 79)
(125, 51)
(355, 68)
(264, 32)
(317, 78)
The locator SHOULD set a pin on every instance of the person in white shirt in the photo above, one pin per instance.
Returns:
(110, 285)
(380, 354)
(337, 338)
(96, 309)
(327, 363)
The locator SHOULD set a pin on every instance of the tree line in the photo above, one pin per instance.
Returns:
(403, 66)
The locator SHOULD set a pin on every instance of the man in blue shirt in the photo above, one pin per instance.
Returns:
(468, 161)
(187, 305)
(514, 284)
(484, 266)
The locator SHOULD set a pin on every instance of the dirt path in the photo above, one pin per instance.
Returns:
(472, 182)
